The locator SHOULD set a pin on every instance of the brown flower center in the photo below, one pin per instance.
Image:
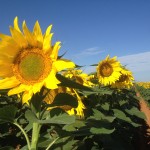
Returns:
(106, 69)
(122, 78)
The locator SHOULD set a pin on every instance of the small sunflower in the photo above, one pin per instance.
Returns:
(108, 71)
(125, 80)
(70, 110)
(29, 61)
(79, 77)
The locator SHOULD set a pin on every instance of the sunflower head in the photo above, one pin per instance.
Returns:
(29, 60)
(79, 77)
(108, 70)
(125, 80)
(70, 110)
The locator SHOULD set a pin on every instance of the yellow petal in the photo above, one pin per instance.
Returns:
(71, 111)
(28, 35)
(48, 30)
(9, 83)
(20, 88)
(16, 24)
(54, 53)
(19, 38)
(4, 37)
(47, 42)
(27, 95)
(37, 87)
(62, 64)
(5, 70)
(38, 32)
(8, 46)
(5, 60)
(51, 81)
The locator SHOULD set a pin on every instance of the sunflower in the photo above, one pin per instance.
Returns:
(125, 80)
(79, 77)
(70, 110)
(108, 71)
(29, 61)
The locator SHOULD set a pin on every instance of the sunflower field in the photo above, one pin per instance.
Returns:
(48, 103)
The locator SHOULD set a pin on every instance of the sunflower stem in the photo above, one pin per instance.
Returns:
(35, 135)
(24, 133)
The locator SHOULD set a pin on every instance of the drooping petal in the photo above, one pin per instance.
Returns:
(62, 64)
(27, 95)
(51, 81)
(9, 83)
(37, 87)
(20, 88)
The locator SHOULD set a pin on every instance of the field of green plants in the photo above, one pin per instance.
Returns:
(48, 103)
(112, 119)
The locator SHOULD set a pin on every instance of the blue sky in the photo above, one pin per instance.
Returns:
(90, 29)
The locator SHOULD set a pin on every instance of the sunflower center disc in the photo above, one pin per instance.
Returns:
(122, 78)
(32, 66)
(106, 70)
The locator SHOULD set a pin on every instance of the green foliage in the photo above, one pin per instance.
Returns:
(8, 113)
(112, 119)
(64, 99)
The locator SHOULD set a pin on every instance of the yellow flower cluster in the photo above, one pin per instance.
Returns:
(144, 84)
(29, 61)
(111, 72)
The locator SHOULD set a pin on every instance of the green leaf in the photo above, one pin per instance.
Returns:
(94, 65)
(74, 126)
(7, 148)
(122, 102)
(44, 142)
(35, 103)
(30, 116)
(101, 130)
(61, 119)
(55, 111)
(69, 83)
(97, 90)
(100, 116)
(121, 115)
(8, 113)
(64, 99)
(105, 106)
(59, 57)
(136, 112)
(65, 143)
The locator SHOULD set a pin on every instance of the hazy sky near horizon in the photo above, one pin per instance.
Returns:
(90, 29)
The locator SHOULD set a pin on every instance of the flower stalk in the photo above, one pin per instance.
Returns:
(35, 135)
(24, 133)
